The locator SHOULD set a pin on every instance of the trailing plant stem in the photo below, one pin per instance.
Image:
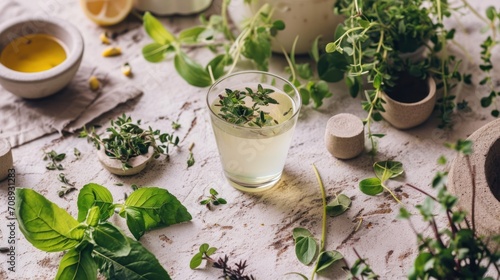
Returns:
(323, 227)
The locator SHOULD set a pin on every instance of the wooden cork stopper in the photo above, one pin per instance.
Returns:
(344, 136)
(6, 161)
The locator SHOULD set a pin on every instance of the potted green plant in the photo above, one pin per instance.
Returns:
(375, 43)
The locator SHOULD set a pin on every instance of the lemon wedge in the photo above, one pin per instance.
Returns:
(106, 12)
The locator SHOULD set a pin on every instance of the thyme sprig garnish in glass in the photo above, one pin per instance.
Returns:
(127, 139)
(235, 110)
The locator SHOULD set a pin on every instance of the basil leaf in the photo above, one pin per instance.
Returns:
(217, 65)
(77, 265)
(305, 249)
(44, 224)
(371, 186)
(338, 206)
(138, 264)
(158, 207)
(191, 35)
(95, 195)
(385, 170)
(155, 52)
(326, 259)
(135, 222)
(156, 31)
(93, 216)
(191, 71)
(108, 237)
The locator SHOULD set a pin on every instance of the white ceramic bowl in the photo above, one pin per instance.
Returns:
(172, 7)
(44, 83)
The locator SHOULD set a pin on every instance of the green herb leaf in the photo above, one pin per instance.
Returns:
(135, 222)
(385, 170)
(403, 213)
(191, 71)
(110, 238)
(93, 216)
(299, 274)
(139, 264)
(158, 207)
(190, 35)
(154, 52)
(77, 265)
(156, 31)
(326, 259)
(196, 260)
(305, 249)
(331, 67)
(95, 195)
(44, 224)
(301, 232)
(371, 186)
(338, 206)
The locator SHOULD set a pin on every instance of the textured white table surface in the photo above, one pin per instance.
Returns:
(252, 227)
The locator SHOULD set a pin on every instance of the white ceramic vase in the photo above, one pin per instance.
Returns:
(304, 18)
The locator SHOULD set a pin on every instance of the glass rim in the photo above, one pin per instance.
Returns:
(298, 104)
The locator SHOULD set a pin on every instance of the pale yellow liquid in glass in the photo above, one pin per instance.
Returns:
(251, 157)
(33, 53)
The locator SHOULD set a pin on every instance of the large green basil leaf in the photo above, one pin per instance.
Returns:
(139, 264)
(77, 265)
(156, 31)
(95, 195)
(190, 71)
(135, 222)
(44, 224)
(158, 208)
(108, 237)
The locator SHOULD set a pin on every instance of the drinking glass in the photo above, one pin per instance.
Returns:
(253, 157)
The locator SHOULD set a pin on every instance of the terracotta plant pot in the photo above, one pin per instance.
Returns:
(114, 166)
(410, 103)
(304, 18)
(486, 159)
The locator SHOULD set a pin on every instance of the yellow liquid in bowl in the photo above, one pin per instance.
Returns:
(33, 53)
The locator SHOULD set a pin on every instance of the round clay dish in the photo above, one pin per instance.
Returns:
(114, 166)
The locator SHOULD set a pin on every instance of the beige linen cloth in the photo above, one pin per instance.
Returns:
(23, 120)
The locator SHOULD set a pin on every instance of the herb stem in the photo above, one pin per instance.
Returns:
(323, 226)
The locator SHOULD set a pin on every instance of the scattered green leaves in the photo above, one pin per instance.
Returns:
(213, 199)
(205, 252)
(338, 206)
(384, 170)
(126, 139)
(233, 108)
(55, 159)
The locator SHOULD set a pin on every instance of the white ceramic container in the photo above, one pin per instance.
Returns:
(172, 7)
(304, 18)
(114, 166)
(44, 83)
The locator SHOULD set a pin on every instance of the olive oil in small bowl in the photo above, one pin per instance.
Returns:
(38, 56)
(33, 53)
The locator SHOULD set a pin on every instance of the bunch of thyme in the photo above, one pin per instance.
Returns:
(234, 110)
(127, 139)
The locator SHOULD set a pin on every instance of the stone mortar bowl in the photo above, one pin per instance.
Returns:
(486, 159)
(44, 83)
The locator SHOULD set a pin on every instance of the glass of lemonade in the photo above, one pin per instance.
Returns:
(253, 119)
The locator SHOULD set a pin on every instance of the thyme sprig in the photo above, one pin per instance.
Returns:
(127, 139)
(235, 110)
(55, 160)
